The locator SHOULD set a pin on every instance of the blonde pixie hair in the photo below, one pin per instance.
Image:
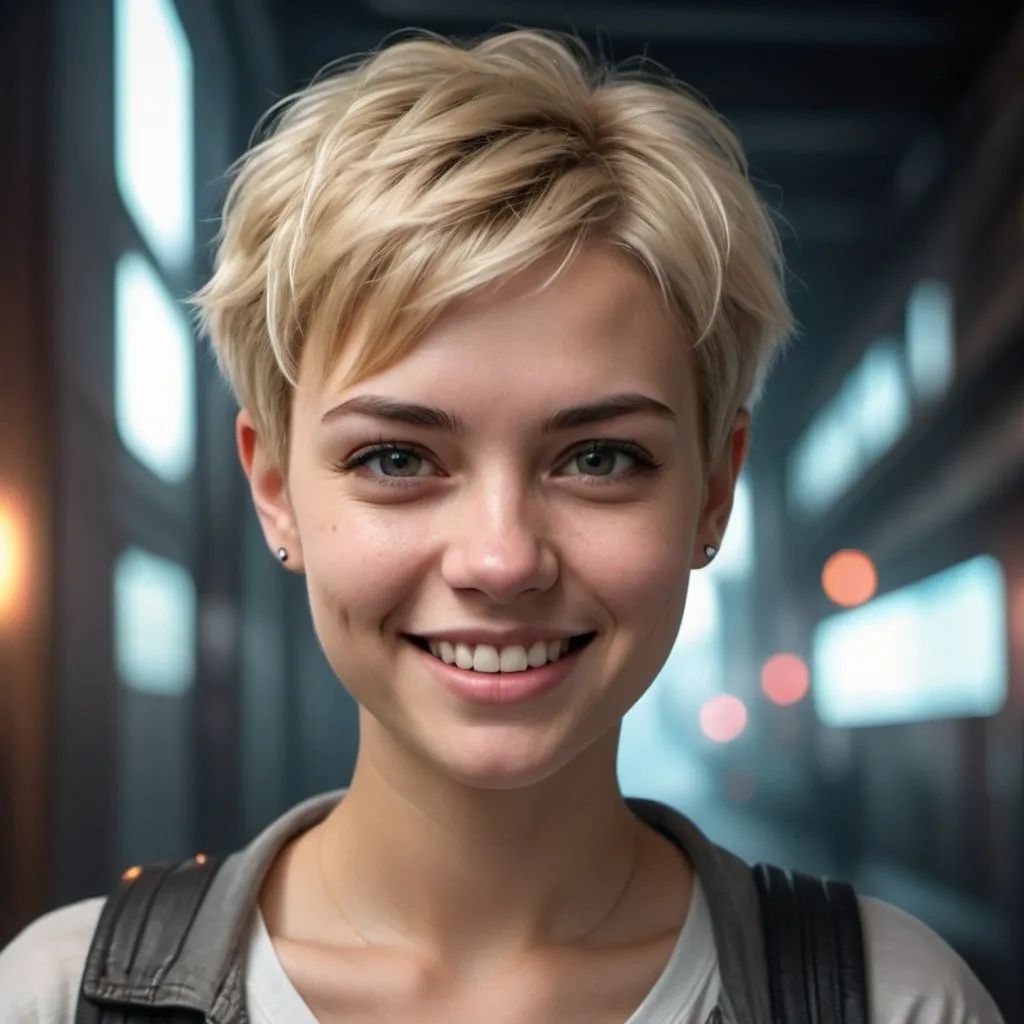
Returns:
(400, 181)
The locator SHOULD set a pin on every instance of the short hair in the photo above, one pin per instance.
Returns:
(400, 181)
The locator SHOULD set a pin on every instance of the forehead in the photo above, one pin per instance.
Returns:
(598, 322)
(599, 292)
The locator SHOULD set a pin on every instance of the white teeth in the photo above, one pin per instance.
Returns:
(513, 659)
(537, 655)
(486, 659)
(489, 659)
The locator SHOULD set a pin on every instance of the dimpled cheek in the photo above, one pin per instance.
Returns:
(351, 602)
(358, 572)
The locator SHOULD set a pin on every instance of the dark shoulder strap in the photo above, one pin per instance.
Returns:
(141, 933)
(814, 948)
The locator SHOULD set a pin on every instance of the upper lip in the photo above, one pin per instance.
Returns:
(525, 636)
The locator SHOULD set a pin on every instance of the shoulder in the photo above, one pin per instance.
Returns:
(914, 977)
(41, 970)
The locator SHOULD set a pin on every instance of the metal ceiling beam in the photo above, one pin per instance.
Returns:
(251, 28)
(821, 27)
(795, 133)
(807, 221)
(800, 79)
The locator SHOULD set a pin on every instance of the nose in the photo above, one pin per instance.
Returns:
(497, 545)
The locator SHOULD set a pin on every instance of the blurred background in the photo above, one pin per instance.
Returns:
(847, 693)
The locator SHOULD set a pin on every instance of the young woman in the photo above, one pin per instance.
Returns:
(495, 319)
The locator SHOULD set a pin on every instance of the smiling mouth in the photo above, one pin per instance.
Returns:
(508, 659)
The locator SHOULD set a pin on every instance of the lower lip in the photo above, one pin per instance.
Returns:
(501, 687)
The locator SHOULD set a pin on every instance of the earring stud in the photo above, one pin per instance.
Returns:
(282, 555)
(710, 551)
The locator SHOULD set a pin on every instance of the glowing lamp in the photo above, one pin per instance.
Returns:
(785, 679)
(849, 578)
(723, 718)
(13, 563)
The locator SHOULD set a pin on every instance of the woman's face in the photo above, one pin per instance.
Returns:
(529, 478)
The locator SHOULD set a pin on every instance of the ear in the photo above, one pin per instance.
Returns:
(269, 485)
(720, 488)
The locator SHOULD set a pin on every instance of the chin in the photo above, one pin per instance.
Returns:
(498, 767)
(501, 758)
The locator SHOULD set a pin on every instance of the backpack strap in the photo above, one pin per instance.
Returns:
(141, 932)
(814, 946)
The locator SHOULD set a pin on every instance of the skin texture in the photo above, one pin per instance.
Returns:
(476, 839)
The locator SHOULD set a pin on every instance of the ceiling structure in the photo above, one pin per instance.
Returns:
(845, 113)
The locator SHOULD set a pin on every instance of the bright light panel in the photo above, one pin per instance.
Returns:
(153, 125)
(154, 624)
(884, 401)
(931, 339)
(154, 371)
(864, 420)
(934, 650)
(826, 461)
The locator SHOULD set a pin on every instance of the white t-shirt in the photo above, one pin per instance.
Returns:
(913, 976)
(686, 992)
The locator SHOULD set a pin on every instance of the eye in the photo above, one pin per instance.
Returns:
(390, 460)
(609, 459)
(600, 461)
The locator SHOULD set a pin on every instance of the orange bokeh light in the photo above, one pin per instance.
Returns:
(785, 679)
(849, 578)
(723, 718)
(12, 563)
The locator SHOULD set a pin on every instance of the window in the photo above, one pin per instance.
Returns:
(936, 649)
(154, 368)
(153, 125)
(154, 624)
(826, 461)
(931, 340)
(884, 402)
(864, 420)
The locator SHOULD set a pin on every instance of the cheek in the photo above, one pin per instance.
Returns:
(636, 577)
(360, 562)
(639, 571)
(638, 562)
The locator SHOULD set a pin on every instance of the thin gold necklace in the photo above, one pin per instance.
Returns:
(586, 935)
(327, 888)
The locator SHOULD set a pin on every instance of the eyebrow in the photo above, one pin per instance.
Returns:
(608, 408)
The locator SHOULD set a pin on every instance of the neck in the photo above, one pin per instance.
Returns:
(415, 859)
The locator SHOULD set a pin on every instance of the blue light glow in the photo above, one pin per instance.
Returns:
(153, 125)
(936, 649)
(154, 624)
(154, 372)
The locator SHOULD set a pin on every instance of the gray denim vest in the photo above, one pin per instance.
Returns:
(208, 976)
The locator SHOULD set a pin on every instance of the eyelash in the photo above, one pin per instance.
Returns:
(645, 462)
